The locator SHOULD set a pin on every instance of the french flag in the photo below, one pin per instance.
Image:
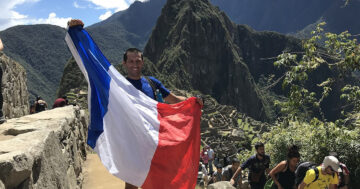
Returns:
(145, 143)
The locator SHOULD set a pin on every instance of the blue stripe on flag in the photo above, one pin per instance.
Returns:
(97, 67)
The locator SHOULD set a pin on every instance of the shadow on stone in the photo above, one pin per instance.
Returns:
(15, 132)
(36, 170)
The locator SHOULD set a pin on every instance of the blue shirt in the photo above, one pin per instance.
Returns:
(143, 85)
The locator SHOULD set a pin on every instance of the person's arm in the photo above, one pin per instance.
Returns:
(173, 99)
(215, 177)
(236, 174)
(347, 181)
(332, 186)
(302, 185)
(267, 170)
(279, 167)
(309, 178)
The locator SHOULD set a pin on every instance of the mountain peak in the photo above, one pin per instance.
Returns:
(194, 44)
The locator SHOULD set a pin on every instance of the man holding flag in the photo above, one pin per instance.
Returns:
(141, 141)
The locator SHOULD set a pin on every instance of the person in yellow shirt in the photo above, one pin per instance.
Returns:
(327, 175)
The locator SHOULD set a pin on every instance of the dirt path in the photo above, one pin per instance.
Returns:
(97, 177)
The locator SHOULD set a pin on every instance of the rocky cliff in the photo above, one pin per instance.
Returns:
(44, 150)
(14, 88)
(198, 47)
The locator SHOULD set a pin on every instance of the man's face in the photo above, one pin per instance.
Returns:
(261, 151)
(133, 65)
(329, 170)
(235, 166)
(219, 170)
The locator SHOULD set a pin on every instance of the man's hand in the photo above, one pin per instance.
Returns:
(75, 22)
(200, 100)
(232, 182)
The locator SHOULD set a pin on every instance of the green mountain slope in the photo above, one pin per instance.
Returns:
(42, 51)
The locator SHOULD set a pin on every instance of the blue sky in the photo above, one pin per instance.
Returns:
(57, 12)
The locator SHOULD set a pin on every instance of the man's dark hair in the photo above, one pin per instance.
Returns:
(258, 145)
(135, 50)
(235, 160)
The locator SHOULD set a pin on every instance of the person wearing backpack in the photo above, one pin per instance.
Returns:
(40, 105)
(344, 175)
(257, 164)
(283, 175)
(323, 176)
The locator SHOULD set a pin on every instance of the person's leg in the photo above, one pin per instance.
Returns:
(211, 167)
(130, 186)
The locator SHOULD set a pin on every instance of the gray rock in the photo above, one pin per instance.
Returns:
(14, 88)
(221, 185)
(43, 150)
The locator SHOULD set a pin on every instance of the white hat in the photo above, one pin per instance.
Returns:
(333, 162)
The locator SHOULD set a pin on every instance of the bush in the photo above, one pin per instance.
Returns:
(316, 139)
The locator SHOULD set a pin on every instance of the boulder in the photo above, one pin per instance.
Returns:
(221, 185)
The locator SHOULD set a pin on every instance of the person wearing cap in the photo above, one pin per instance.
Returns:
(217, 176)
(327, 175)
(344, 175)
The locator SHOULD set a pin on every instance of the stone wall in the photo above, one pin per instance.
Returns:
(14, 88)
(44, 150)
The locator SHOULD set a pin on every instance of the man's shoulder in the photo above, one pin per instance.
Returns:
(227, 168)
(152, 78)
(267, 157)
(251, 158)
(310, 175)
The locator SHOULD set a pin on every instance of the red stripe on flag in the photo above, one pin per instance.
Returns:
(176, 159)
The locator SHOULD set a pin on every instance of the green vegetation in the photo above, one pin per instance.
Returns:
(303, 122)
(42, 51)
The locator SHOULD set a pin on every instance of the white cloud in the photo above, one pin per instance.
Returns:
(52, 19)
(118, 5)
(76, 5)
(105, 16)
(9, 17)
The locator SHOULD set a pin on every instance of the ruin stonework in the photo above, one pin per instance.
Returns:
(14, 88)
(44, 150)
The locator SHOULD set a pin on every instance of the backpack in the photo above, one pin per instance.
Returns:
(301, 170)
(40, 106)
